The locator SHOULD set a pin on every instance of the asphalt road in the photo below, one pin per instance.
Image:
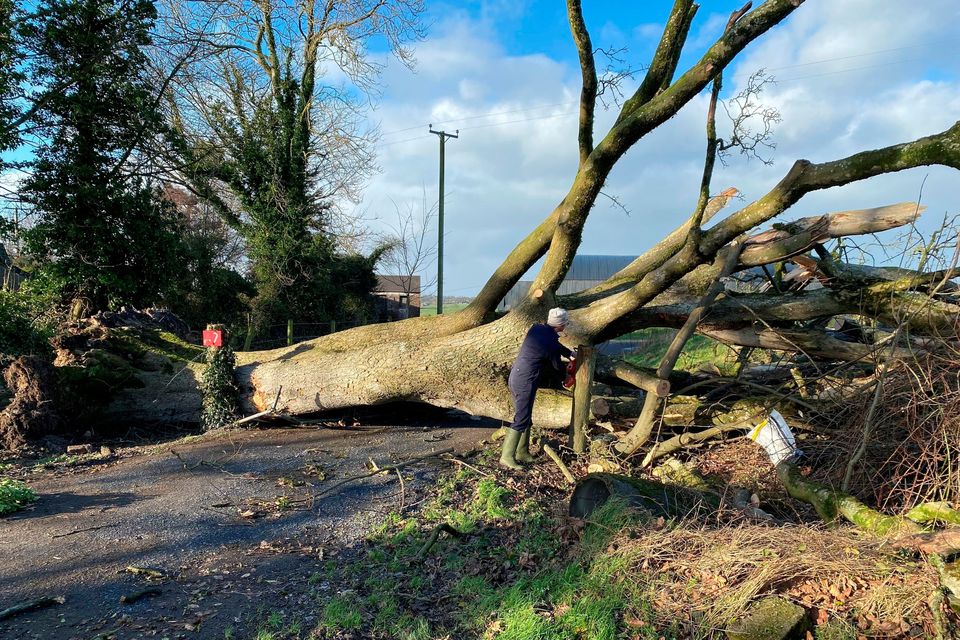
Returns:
(233, 522)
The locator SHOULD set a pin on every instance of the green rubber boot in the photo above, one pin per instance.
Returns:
(510, 442)
(523, 448)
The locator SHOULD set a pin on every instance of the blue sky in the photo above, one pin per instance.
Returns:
(852, 75)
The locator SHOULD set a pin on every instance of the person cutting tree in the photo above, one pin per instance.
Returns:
(539, 360)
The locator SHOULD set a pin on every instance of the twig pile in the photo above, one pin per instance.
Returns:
(708, 576)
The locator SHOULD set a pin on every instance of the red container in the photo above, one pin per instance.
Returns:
(212, 338)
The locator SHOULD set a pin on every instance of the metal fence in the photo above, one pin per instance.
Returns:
(276, 336)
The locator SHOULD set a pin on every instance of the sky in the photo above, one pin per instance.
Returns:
(851, 75)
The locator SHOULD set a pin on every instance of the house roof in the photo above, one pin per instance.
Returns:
(397, 284)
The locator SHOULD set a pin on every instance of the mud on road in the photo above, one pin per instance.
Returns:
(232, 522)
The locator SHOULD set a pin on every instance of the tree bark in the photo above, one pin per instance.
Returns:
(586, 361)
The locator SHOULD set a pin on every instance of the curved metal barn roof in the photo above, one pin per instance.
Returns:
(596, 267)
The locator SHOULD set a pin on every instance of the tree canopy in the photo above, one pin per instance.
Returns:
(102, 231)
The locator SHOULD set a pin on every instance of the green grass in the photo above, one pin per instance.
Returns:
(341, 614)
(583, 597)
(698, 350)
(448, 308)
(836, 630)
(14, 495)
(274, 627)
(551, 591)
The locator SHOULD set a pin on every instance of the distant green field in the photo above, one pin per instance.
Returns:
(698, 350)
(448, 308)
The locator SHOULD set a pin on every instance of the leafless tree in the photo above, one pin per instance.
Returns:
(413, 251)
(308, 60)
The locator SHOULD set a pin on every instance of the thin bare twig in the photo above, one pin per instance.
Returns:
(403, 491)
(456, 460)
(76, 531)
(434, 536)
(391, 467)
(564, 469)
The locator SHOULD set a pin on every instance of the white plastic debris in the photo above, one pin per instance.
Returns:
(775, 436)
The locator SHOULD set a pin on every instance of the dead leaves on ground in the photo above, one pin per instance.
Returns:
(711, 575)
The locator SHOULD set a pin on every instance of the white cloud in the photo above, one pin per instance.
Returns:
(708, 31)
(648, 31)
(516, 154)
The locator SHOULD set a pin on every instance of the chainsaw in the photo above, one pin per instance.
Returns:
(571, 375)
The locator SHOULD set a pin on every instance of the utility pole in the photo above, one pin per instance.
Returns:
(443, 139)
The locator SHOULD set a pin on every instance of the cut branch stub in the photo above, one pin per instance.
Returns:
(613, 370)
(595, 490)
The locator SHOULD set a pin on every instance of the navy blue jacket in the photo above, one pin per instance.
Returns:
(540, 353)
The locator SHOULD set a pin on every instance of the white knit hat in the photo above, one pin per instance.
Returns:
(557, 317)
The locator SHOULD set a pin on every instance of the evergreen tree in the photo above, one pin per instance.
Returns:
(268, 161)
(10, 76)
(280, 146)
(103, 231)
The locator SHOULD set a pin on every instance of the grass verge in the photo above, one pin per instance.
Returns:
(525, 571)
(14, 495)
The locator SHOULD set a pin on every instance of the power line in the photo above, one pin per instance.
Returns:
(387, 144)
(498, 124)
(485, 126)
(486, 115)
(856, 55)
(831, 73)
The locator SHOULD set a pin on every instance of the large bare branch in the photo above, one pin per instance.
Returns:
(664, 63)
(742, 31)
(560, 232)
(803, 177)
(939, 149)
(653, 257)
(792, 238)
(812, 342)
(588, 71)
(921, 313)
(583, 193)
